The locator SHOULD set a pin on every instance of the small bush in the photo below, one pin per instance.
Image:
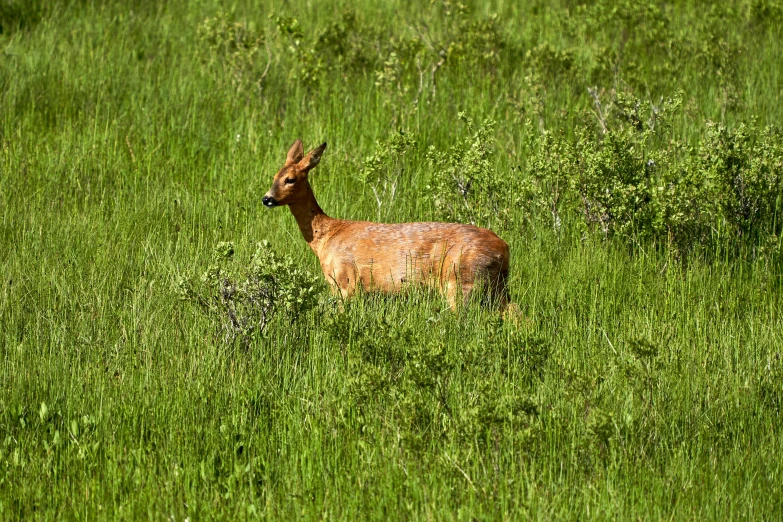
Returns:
(430, 391)
(245, 299)
(231, 49)
(309, 65)
(465, 184)
(345, 46)
(383, 169)
(745, 166)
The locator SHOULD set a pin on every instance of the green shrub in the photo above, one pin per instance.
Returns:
(745, 166)
(431, 392)
(628, 176)
(465, 183)
(231, 50)
(345, 46)
(384, 168)
(308, 64)
(246, 299)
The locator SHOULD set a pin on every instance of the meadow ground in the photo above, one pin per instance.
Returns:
(621, 149)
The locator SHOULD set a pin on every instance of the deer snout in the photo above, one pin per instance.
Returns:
(269, 201)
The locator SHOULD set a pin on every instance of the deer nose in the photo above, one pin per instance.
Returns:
(268, 201)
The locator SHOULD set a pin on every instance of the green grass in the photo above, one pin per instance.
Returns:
(637, 384)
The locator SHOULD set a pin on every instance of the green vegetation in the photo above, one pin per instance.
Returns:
(626, 151)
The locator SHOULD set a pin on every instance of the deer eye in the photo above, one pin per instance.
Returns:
(289, 181)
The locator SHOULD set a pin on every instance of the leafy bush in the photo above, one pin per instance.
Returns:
(383, 169)
(419, 385)
(391, 77)
(245, 299)
(764, 12)
(462, 40)
(309, 65)
(343, 46)
(232, 50)
(634, 178)
(745, 166)
(475, 42)
(547, 62)
(400, 63)
(465, 184)
(629, 175)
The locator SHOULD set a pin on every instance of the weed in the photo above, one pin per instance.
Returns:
(245, 299)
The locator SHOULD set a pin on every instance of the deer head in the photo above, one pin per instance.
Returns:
(290, 185)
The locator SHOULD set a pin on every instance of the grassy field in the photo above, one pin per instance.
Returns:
(643, 379)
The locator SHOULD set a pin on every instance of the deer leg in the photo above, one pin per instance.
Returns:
(346, 293)
(342, 285)
(467, 290)
(499, 291)
(346, 280)
(451, 294)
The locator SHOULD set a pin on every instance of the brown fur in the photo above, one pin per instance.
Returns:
(382, 257)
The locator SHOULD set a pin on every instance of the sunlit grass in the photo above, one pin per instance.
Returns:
(634, 384)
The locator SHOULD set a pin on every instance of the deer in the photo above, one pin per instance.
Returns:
(453, 258)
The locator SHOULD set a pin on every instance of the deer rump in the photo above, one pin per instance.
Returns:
(385, 257)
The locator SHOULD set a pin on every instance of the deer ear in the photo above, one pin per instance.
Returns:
(295, 153)
(312, 158)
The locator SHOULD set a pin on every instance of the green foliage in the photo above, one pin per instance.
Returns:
(397, 66)
(630, 177)
(633, 170)
(341, 46)
(383, 170)
(541, 194)
(770, 384)
(745, 167)
(547, 62)
(309, 65)
(246, 299)
(466, 187)
(470, 41)
(635, 179)
(401, 63)
(231, 49)
(419, 386)
(764, 12)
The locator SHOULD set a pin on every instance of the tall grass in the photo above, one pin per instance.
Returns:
(638, 382)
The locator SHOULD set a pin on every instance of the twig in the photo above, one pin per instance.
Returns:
(421, 81)
(460, 470)
(377, 199)
(435, 68)
(425, 38)
(266, 69)
(610, 342)
(654, 110)
(593, 92)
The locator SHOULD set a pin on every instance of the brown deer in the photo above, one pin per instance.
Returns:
(381, 257)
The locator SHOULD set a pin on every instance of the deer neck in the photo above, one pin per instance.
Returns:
(313, 222)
